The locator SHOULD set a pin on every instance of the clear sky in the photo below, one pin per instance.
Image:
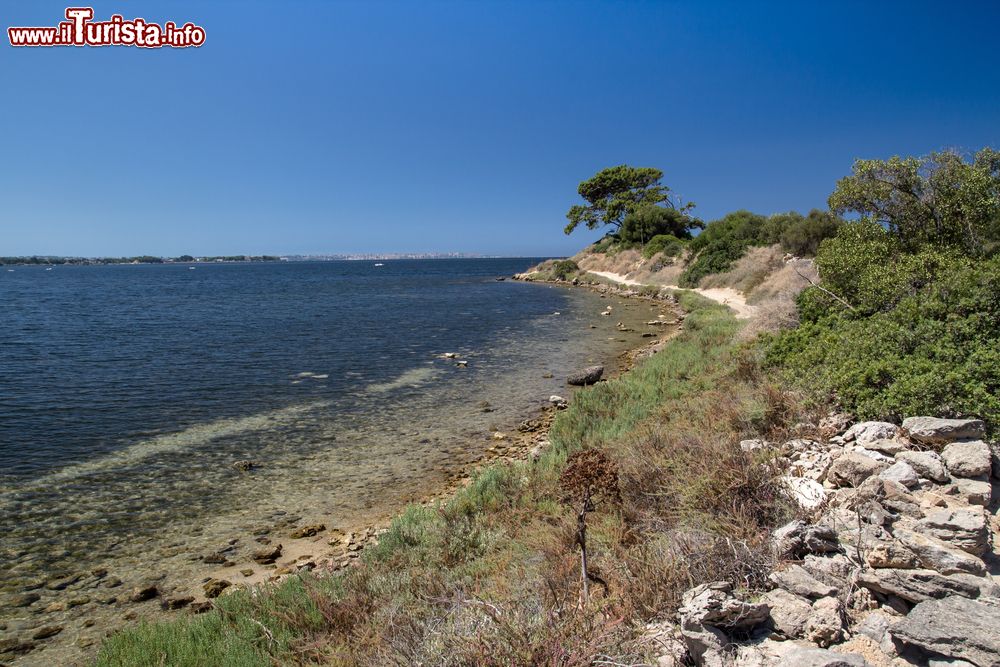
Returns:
(312, 127)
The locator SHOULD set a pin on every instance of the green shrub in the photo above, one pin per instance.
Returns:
(909, 332)
(722, 243)
(650, 221)
(564, 268)
(668, 244)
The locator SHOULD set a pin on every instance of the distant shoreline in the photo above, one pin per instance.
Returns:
(52, 260)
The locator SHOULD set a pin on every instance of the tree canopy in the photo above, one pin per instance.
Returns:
(616, 192)
(942, 198)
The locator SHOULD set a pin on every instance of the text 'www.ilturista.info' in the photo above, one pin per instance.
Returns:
(81, 30)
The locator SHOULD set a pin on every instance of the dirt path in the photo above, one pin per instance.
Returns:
(724, 295)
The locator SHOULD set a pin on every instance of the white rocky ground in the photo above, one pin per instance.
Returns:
(894, 563)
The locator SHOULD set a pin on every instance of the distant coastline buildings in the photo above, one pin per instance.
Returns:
(52, 260)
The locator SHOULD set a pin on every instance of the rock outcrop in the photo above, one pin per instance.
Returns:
(895, 562)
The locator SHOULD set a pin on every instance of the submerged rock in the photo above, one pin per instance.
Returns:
(267, 556)
(143, 593)
(308, 531)
(214, 588)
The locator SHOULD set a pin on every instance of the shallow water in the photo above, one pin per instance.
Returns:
(127, 393)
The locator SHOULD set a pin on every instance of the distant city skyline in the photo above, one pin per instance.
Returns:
(464, 126)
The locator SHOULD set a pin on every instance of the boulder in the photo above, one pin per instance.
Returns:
(938, 555)
(874, 625)
(955, 627)
(901, 472)
(867, 432)
(710, 612)
(797, 538)
(808, 494)
(916, 585)
(789, 612)
(821, 657)
(852, 469)
(889, 447)
(795, 579)
(933, 431)
(972, 491)
(588, 375)
(825, 625)
(891, 555)
(927, 464)
(971, 458)
(964, 528)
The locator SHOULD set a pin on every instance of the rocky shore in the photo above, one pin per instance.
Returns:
(77, 610)
(894, 560)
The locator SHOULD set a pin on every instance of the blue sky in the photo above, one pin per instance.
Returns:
(311, 127)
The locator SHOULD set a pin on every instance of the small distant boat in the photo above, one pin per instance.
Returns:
(192, 268)
(10, 270)
(379, 264)
(49, 269)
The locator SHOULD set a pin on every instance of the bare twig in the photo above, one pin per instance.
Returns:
(823, 289)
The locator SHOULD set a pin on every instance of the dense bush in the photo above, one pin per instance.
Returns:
(725, 241)
(722, 243)
(922, 339)
(648, 222)
(668, 244)
(564, 268)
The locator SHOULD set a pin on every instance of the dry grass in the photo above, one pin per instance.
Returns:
(749, 271)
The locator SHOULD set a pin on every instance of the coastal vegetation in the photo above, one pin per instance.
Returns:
(491, 577)
(896, 315)
(904, 320)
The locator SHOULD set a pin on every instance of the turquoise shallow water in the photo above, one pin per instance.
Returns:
(127, 393)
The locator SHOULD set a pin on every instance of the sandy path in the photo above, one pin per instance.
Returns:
(724, 295)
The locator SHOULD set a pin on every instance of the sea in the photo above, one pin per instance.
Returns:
(130, 393)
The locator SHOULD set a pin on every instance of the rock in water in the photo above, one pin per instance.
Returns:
(931, 430)
(957, 627)
(308, 531)
(214, 588)
(588, 375)
(267, 556)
